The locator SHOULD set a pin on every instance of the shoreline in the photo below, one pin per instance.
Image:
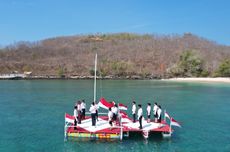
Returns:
(193, 79)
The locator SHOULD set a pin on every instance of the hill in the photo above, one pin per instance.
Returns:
(120, 55)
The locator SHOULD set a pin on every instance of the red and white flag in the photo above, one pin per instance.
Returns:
(69, 118)
(122, 106)
(173, 121)
(167, 115)
(105, 104)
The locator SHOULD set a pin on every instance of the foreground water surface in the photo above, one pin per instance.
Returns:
(32, 114)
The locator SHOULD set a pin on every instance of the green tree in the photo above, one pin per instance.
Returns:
(189, 65)
(224, 69)
(92, 72)
(61, 72)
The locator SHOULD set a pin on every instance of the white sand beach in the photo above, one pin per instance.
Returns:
(219, 79)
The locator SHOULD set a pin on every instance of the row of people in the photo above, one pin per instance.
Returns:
(79, 112)
(80, 106)
(157, 112)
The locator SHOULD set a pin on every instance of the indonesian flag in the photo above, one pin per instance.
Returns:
(69, 118)
(167, 115)
(105, 104)
(173, 121)
(122, 106)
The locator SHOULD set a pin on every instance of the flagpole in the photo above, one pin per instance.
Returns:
(164, 116)
(95, 78)
(170, 125)
(120, 123)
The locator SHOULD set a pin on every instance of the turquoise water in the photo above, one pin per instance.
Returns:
(32, 114)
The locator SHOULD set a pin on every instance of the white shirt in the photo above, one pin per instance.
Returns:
(110, 115)
(93, 109)
(139, 113)
(115, 110)
(155, 109)
(159, 112)
(134, 109)
(148, 110)
(83, 105)
(79, 107)
(75, 113)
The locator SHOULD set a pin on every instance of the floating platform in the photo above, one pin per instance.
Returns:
(120, 129)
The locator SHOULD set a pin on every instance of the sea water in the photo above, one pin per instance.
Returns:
(32, 114)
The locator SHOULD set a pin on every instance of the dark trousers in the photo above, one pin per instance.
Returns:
(134, 117)
(96, 115)
(83, 113)
(75, 124)
(111, 123)
(114, 117)
(159, 120)
(79, 117)
(93, 116)
(140, 122)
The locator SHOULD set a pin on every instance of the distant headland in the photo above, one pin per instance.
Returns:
(120, 56)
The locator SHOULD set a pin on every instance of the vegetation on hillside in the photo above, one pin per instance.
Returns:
(119, 55)
(189, 65)
(224, 69)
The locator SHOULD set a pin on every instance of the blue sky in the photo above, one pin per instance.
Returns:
(32, 20)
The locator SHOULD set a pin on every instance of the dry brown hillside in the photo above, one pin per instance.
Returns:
(118, 54)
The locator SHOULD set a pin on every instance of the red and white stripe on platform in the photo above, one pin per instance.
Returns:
(173, 121)
(123, 114)
(69, 118)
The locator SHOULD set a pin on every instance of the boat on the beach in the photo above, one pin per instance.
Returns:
(121, 128)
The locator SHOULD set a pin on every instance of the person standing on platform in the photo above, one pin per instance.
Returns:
(83, 106)
(159, 112)
(155, 107)
(92, 110)
(140, 115)
(134, 111)
(79, 112)
(110, 116)
(75, 117)
(115, 112)
(148, 112)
